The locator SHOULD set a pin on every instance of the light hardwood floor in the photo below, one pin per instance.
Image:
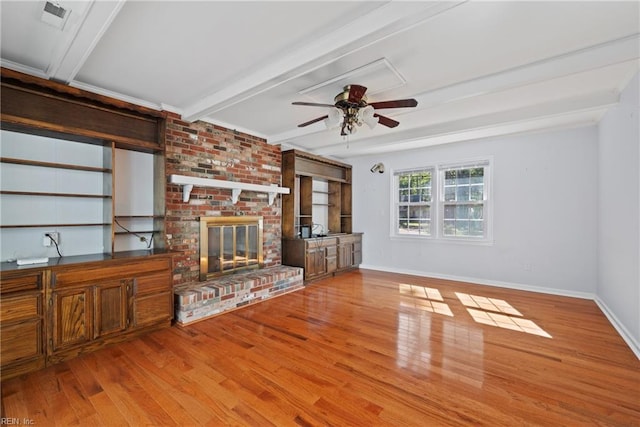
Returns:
(364, 348)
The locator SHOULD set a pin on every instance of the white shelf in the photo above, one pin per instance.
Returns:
(188, 182)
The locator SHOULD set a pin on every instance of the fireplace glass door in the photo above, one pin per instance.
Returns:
(229, 244)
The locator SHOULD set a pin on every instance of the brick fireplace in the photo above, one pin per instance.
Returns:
(205, 150)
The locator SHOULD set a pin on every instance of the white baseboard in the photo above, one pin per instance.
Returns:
(619, 327)
(624, 333)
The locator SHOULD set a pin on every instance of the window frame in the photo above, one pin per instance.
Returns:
(397, 203)
(438, 204)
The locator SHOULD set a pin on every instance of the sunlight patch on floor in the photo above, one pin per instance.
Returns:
(497, 312)
(424, 298)
(431, 306)
(488, 304)
(420, 291)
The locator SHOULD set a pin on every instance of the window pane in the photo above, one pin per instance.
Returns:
(419, 212)
(403, 212)
(462, 212)
(475, 212)
(449, 194)
(449, 212)
(476, 228)
(403, 181)
(463, 177)
(462, 193)
(450, 178)
(462, 228)
(449, 227)
(475, 192)
(404, 196)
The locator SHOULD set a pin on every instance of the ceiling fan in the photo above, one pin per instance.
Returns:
(351, 107)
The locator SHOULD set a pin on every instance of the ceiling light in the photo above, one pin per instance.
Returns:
(333, 118)
(368, 117)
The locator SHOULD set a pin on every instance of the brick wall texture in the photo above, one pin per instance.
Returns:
(208, 151)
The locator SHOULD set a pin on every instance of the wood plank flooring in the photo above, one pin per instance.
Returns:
(365, 348)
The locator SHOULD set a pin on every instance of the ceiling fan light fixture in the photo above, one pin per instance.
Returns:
(333, 118)
(368, 117)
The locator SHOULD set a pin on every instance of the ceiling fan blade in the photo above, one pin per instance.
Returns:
(301, 125)
(312, 104)
(399, 103)
(386, 121)
(356, 92)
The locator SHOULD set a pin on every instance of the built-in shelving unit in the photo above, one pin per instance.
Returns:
(320, 199)
(321, 194)
(75, 200)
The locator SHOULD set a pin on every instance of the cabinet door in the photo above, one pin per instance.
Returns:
(310, 264)
(71, 317)
(315, 262)
(331, 261)
(111, 307)
(321, 266)
(345, 255)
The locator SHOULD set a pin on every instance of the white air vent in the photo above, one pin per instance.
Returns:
(54, 14)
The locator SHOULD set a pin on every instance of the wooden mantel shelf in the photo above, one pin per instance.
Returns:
(188, 182)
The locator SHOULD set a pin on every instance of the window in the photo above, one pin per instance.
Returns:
(413, 203)
(454, 197)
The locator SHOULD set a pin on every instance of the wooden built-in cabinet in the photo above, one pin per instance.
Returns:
(21, 322)
(340, 249)
(323, 256)
(74, 304)
(52, 313)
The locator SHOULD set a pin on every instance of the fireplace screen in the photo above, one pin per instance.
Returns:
(229, 243)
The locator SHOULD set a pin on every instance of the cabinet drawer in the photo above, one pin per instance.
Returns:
(20, 341)
(348, 239)
(21, 282)
(20, 308)
(153, 308)
(150, 283)
(92, 274)
(331, 251)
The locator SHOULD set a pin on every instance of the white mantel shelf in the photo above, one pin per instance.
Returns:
(188, 182)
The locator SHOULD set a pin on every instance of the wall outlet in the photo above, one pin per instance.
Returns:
(46, 241)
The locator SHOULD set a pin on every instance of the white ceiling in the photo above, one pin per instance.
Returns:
(477, 68)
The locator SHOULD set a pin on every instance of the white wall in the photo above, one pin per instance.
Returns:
(134, 196)
(618, 285)
(544, 216)
(25, 209)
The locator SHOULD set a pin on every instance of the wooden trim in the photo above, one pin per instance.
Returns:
(35, 193)
(69, 91)
(121, 141)
(99, 224)
(53, 165)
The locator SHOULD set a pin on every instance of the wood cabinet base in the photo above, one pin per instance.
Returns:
(51, 313)
(323, 256)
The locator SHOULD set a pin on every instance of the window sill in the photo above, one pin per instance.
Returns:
(444, 240)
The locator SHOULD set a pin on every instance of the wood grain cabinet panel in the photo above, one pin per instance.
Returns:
(151, 309)
(72, 317)
(111, 307)
(22, 341)
(21, 307)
